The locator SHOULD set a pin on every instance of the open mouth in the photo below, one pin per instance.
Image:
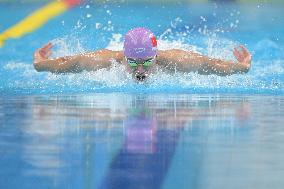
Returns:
(140, 77)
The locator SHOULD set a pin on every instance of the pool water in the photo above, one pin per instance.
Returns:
(177, 130)
(142, 141)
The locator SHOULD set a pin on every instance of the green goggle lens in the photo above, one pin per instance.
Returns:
(134, 64)
(147, 63)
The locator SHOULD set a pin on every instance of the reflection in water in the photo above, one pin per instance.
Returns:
(140, 133)
(140, 141)
(145, 156)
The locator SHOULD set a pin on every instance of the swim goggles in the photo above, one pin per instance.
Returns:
(145, 63)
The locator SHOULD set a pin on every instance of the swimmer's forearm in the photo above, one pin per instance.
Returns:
(88, 61)
(221, 67)
(59, 65)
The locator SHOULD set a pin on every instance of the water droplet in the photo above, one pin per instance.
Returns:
(108, 12)
(98, 25)
(203, 19)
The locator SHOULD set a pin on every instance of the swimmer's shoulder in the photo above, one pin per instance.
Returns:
(177, 59)
(164, 57)
(105, 54)
(95, 60)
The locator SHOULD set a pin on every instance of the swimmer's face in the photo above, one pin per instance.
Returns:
(140, 68)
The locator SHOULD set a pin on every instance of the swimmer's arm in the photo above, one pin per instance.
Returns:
(193, 62)
(88, 61)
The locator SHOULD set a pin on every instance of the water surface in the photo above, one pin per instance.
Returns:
(141, 141)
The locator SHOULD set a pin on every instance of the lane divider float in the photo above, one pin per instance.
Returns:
(37, 19)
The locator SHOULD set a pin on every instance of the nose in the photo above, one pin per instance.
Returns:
(140, 69)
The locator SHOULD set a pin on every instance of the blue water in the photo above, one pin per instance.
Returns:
(142, 141)
(102, 130)
(209, 29)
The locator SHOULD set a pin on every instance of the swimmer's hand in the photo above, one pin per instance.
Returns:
(244, 58)
(43, 62)
(43, 53)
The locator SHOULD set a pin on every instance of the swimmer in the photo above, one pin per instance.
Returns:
(140, 56)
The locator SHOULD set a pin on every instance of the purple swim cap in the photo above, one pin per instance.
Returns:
(140, 43)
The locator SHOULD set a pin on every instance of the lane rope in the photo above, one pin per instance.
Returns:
(37, 19)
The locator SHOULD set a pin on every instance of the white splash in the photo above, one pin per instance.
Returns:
(115, 43)
(66, 46)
